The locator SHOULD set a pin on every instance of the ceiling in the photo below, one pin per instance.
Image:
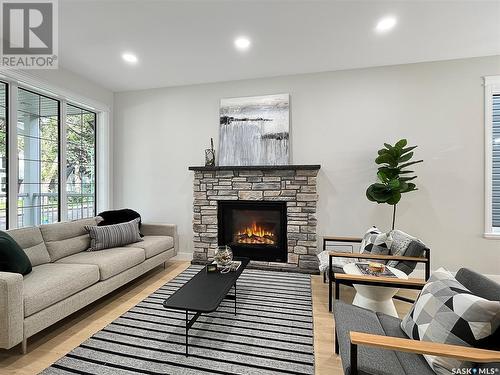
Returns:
(190, 42)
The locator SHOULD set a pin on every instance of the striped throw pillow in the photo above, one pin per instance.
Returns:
(113, 235)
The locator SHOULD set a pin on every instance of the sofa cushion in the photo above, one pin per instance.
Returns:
(478, 284)
(67, 238)
(370, 360)
(154, 245)
(50, 283)
(31, 241)
(413, 364)
(111, 262)
(12, 256)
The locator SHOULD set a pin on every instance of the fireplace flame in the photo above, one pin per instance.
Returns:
(255, 234)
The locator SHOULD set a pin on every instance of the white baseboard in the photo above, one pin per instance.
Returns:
(183, 256)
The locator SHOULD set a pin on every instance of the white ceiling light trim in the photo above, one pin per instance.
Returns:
(130, 58)
(385, 24)
(242, 43)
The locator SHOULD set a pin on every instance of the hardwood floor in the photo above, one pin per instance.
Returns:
(51, 344)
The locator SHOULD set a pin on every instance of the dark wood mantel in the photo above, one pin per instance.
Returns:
(256, 167)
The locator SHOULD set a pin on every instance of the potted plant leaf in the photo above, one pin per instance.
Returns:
(393, 176)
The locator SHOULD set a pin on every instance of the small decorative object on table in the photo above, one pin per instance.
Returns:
(375, 269)
(231, 267)
(235, 264)
(210, 155)
(223, 256)
(212, 267)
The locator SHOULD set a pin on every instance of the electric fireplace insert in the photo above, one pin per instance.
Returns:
(254, 229)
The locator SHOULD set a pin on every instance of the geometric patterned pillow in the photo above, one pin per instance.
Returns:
(447, 312)
(369, 237)
(376, 243)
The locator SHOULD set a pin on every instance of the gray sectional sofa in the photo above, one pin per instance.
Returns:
(66, 277)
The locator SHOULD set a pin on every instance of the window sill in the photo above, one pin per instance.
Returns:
(492, 236)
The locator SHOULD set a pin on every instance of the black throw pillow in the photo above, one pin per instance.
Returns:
(12, 257)
(124, 215)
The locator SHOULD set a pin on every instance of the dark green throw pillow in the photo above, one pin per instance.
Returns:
(12, 257)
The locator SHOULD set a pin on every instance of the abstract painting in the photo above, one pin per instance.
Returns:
(254, 130)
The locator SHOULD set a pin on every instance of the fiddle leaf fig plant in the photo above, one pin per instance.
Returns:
(393, 176)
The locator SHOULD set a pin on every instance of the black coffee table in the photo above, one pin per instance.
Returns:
(204, 293)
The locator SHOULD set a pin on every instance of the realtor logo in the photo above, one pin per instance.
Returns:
(29, 34)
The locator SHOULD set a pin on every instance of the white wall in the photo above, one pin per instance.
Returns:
(74, 84)
(338, 119)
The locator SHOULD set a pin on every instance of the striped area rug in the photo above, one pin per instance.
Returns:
(272, 333)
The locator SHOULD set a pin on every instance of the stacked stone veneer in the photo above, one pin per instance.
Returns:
(297, 187)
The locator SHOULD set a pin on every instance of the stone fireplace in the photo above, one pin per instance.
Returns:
(265, 213)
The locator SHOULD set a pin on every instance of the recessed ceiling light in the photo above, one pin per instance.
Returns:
(242, 43)
(386, 24)
(130, 58)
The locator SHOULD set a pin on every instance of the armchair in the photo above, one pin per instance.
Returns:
(374, 343)
(333, 271)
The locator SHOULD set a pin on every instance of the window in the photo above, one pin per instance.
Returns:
(38, 154)
(48, 146)
(3, 156)
(80, 162)
(492, 160)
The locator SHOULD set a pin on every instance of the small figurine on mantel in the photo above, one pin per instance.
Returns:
(210, 155)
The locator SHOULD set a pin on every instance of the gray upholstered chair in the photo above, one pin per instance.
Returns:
(373, 343)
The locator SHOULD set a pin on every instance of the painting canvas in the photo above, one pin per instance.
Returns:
(254, 130)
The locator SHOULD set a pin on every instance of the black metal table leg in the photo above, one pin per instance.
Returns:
(187, 333)
(329, 283)
(336, 338)
(234, 298)
(189, 324)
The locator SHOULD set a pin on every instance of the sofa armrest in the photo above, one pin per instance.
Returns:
(463, 353)
(157, 229)
(11, 309)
